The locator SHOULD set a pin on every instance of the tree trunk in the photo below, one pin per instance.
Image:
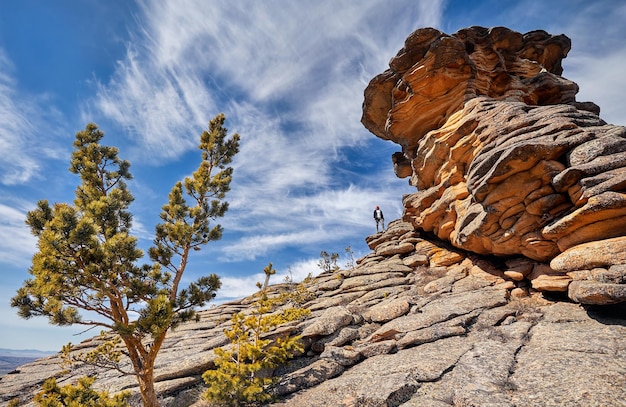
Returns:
(146, 386)
(143, 364)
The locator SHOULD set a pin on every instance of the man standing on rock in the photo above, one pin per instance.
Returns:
(379, 217)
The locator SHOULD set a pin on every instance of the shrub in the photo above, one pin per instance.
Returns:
(243, 373)
(78, 395)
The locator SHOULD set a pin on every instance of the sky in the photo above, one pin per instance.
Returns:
(288, 75)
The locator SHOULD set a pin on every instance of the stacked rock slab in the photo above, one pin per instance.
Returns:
(505, 160)
(443, 311)
(427, 327)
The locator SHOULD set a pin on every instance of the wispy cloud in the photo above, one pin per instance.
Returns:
(330, 216)
(158, 108)
(17, 245)
(16, 166)
(301, 65)
(23, 120)
(601, 80)
(597, 57)
(238, 287)
(290, 80)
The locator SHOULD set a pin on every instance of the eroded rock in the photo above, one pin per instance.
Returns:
(398, 344)
(506, 161)
(508, 165)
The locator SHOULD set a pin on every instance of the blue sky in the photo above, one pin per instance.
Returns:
(290, 78)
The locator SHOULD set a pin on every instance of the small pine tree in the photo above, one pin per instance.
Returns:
(269, 272)
(243, 371)
(88, 260)
(78, 395)
(328, 261)
(350, 264)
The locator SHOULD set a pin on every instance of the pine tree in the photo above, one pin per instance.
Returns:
(243, 373)
(78, 395)
(87, 260)
(269, 271)
(328, 261)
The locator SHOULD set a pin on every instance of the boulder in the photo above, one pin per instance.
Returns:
(600, 253)
(505, 160)
(592, 292)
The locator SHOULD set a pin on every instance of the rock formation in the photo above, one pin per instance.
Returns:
(464, 301)
(505, 160)
(432, 326)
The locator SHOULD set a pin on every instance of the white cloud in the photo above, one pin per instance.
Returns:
(239, 287)
(161, 109)
(16, 166)
(271, 157)
(264, 48)
(26, 121)
(602, 81)
(331, 215)
(597, 57)
(254, 245)
(299, 271)
(18, 244)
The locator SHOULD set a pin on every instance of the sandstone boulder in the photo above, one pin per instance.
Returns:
(505, 160)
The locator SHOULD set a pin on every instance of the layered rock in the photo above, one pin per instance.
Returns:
(429, 327)
(505, 160)
(463, 301)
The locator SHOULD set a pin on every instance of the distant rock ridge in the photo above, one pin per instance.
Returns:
(12, 358)
(442, 311)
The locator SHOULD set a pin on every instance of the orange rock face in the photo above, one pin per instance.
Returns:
(504, 159)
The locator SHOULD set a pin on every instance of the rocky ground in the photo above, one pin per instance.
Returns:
(414, 323)
(504, 284)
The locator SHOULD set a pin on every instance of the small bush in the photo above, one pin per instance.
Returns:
(79, 395)
(328, 261)
(243, 373)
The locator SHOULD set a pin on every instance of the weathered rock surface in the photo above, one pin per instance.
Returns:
(505, 160)
(429, 336)
(503, 284)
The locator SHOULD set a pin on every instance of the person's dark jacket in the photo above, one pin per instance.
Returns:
(380, 214)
